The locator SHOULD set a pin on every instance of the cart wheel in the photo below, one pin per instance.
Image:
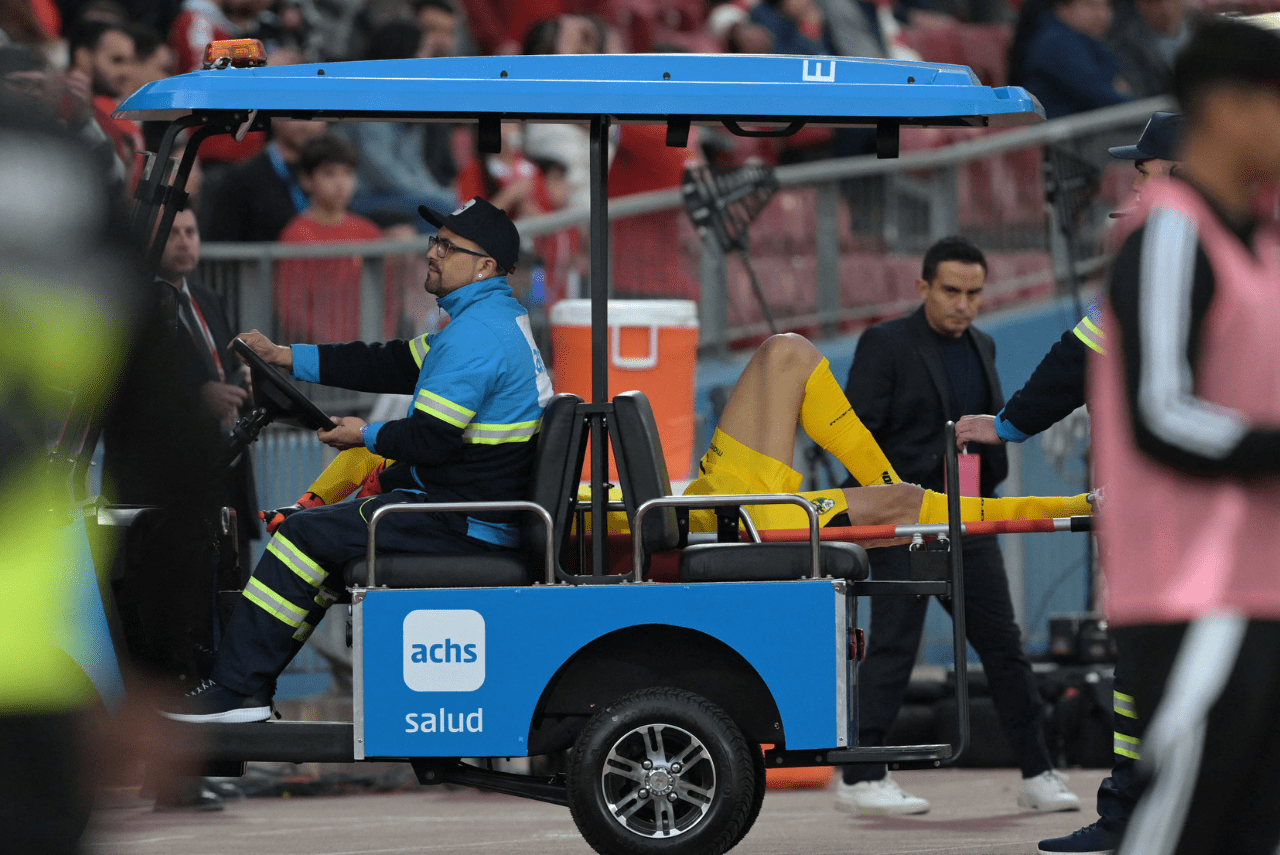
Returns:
(757, 801)
(663, 771)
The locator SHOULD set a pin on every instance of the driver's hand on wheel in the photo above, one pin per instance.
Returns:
(274, 354)
(345, 433)
(977, 429)
(223, 399)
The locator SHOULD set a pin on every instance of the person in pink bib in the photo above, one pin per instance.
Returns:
(1186, 408)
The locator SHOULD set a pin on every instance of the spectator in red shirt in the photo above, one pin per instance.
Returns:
(318, 300)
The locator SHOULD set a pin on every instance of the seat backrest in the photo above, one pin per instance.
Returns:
(554, 483)
(642, 469)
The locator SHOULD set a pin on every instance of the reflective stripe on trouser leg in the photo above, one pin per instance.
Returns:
(322, 601)
(1125, 740)
(262, 636)
(1175, 739)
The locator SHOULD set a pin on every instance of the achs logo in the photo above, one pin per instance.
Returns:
(444, 650)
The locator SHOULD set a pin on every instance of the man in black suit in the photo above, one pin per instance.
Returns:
(910, 376)
(166, 586)
(222, 378)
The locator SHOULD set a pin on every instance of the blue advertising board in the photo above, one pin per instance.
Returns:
(458, 672)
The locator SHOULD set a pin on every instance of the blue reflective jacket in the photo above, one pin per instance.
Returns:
(479, 387)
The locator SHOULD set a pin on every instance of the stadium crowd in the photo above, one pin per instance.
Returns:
(85, 56)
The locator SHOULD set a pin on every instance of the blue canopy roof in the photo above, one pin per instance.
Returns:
(641, 88)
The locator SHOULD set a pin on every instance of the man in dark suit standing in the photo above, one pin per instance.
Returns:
(909, 377)
(222, 378)
(165, 586)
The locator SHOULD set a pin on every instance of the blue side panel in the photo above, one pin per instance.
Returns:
(85, 635)
(458, 673)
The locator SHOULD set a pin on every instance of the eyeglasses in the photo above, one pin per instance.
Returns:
(443, 246)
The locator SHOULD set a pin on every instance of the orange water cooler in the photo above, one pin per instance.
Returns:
(653, 347)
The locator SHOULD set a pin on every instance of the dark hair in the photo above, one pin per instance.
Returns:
(1030, 20)
(88, 34)
(1225, 51)
(394, 40)
(442, 5)
(327, 148)
(146, 39)
(541, 38)
(954, 248)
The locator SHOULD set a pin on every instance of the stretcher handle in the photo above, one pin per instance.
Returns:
(970, 529)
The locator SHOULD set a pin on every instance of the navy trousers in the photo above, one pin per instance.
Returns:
(300, 575)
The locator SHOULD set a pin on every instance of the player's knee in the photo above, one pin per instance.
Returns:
(906, 500)
(789, 352)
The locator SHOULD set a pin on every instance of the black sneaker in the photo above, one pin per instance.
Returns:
(1090, 840)
(214, 703)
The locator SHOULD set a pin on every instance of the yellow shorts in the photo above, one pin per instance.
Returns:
(730, 467)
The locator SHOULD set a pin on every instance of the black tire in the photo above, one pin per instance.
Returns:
(673, 806)
(762, 782)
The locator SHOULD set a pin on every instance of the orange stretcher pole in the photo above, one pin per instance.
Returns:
(887, 532)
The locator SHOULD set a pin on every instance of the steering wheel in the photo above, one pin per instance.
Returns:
(283, 401)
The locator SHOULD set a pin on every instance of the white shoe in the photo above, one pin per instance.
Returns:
(878, 798)
(1047, 792)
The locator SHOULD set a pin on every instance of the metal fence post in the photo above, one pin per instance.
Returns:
(372, 299)
(827, 258)
(713, 302)
(944, 211)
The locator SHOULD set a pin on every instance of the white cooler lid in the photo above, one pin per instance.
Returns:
(629, 313)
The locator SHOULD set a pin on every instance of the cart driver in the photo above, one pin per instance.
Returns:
(479, 387)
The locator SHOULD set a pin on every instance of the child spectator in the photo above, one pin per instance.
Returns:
(318, 300)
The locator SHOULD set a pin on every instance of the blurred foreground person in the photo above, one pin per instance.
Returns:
(69, 315)
(1187, 436)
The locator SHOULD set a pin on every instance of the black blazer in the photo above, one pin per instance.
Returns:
(243, 488)
(897, 385)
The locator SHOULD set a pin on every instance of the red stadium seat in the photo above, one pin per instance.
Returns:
(985, 49)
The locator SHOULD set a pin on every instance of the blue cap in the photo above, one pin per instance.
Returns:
(1159, 139)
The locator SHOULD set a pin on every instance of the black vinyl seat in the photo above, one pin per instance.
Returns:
(553, 485)
(642, 469)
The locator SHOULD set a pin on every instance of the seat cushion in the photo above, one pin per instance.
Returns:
(770, 562)
(491, 570)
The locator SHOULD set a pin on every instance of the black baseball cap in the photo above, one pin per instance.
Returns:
(480, 221)
(1159, 140)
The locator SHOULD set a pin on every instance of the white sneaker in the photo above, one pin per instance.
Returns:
(1047, 792)
(878, 798)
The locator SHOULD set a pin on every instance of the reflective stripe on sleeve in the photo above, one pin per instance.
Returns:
(274, 604)
(1092, 336)
(1126, 746)
(303, 633)
(312, 573)
(494, 434)
(445, 410)
(1123, 705)
(419, 347)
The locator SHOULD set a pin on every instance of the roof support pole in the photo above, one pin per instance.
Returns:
(599, 341)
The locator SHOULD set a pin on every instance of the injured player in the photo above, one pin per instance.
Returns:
(786, 382)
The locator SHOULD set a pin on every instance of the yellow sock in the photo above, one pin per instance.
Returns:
(346, 473)
(974, 508)
(826, 416)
